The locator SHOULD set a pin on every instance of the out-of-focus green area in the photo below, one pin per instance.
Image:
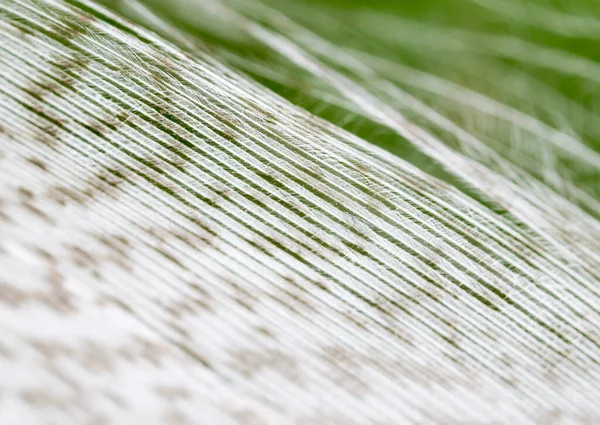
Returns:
(538, 58)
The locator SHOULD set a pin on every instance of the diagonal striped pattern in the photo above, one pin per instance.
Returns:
(179, 244)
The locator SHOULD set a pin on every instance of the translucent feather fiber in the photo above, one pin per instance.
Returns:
(260, 212)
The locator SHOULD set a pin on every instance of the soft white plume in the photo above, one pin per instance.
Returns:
(179, 243)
